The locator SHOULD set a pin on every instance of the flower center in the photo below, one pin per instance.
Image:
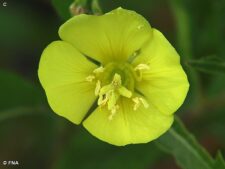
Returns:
(114, 81)
(125, 71)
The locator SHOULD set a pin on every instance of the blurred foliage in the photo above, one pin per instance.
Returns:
(25, 129)
(209, 65)
(19, 93)
(38, 138)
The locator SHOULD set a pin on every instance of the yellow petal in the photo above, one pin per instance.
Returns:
(128, 126)
(158, 53)
(62, 73)
(165, 83)
(111, 37)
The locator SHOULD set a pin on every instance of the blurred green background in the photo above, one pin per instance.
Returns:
(37, 138)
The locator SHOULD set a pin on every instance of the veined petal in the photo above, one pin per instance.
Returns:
(165, 83)
(128, 126)
(62, 72)
(114, 36)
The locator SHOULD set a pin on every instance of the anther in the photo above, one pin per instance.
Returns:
(141, 67)
(110, 94)
(99, 70)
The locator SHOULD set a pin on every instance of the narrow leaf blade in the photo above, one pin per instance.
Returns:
(188, 153)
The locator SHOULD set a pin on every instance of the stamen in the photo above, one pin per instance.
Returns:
(90, 78)
(144, 102)
(103, 99)
(138, 101)
(105, 89)
(99, 70)
(110, 94)
(141, 67)
(114, 96)
(113, 112)
(97, 88)
(125, 92)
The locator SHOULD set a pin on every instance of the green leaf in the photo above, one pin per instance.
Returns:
(188, 153)
(213, 123)
(220, 163)
(62, 8)
(209, 65)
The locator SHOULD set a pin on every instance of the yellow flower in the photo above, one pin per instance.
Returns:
(121, 69)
